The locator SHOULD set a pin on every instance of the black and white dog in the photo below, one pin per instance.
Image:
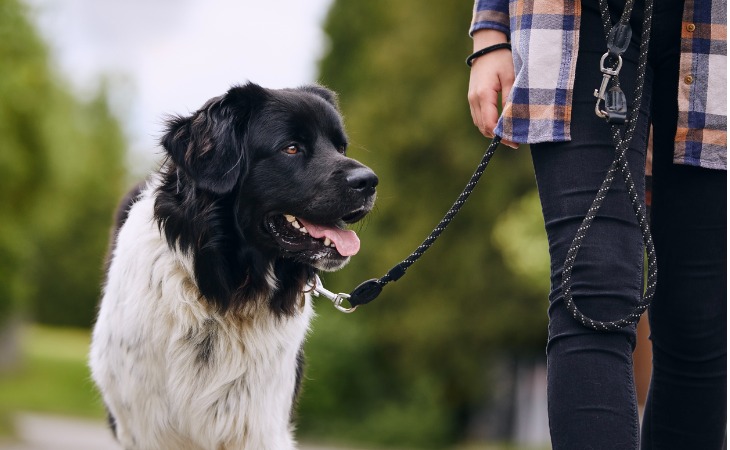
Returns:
(198, 342)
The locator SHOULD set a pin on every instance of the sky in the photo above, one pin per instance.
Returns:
(164, 57)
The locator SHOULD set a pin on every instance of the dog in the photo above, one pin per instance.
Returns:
(205, 308)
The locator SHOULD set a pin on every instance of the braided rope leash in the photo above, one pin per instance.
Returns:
(618, 38)
(620, 162)
(370, 289)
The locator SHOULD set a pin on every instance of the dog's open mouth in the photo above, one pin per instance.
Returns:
(310, 240)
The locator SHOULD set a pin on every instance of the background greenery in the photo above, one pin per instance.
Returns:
(413, 366)
(411, 369)
(61, 171)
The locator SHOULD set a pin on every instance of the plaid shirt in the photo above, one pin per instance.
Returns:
(544, 36)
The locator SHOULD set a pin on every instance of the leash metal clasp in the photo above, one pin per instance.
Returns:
(615, 102)
(318, 290)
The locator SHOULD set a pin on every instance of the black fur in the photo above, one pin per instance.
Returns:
(301, 365)
(235, 170)
(120, 216)
(205, 345)
(111, 421)
(226, 174)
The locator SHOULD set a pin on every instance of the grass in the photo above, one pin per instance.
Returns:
(52, 376)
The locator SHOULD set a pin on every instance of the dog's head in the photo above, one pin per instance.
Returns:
(260, 175)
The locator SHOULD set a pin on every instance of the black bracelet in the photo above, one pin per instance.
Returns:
(485, 50)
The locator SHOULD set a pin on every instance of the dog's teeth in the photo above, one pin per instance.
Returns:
(327, 242)
(296, 224)
(289, 218)
(303, 230)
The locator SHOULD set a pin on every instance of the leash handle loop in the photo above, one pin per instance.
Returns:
(621, 139)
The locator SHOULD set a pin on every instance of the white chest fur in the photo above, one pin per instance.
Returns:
(174, 373)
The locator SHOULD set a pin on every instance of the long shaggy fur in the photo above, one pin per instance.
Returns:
(199, 334)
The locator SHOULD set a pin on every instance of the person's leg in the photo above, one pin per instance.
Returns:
(686, 406)
(591, 395)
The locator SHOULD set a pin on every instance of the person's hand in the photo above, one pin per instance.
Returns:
(491, 74)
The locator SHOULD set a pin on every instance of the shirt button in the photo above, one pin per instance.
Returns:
(691, 27)
(688, 79)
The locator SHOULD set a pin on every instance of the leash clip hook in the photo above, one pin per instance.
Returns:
(615, 111)
(318, 290)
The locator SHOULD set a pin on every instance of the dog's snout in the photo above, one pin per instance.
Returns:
(362, 179)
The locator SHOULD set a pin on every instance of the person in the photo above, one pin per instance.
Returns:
(546, 83)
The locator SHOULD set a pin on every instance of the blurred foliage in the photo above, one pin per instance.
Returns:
(412, 368)
(61, 173)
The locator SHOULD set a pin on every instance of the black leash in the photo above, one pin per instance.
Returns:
(370, 289)
(618, 39)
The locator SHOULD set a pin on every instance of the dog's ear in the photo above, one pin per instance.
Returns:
(321, 91)
(209, 145)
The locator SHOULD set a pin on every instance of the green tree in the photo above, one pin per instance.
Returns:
(23, 65)
(61, 171)
(412, 367)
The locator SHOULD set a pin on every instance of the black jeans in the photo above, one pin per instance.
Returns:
(591, 394)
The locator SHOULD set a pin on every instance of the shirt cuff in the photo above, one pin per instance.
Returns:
(490, 14)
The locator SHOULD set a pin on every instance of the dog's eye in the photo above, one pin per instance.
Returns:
(291, 150)
(342, 149)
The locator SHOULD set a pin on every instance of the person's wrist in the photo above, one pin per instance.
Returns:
(481, 52)
(486, 37)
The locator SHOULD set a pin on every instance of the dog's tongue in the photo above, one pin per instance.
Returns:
(346, 241)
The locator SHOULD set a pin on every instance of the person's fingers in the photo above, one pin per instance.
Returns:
(475, 109)
(507, 83)
(483, 106)
(506, 89)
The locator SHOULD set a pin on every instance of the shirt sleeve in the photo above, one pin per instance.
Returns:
(490, 14)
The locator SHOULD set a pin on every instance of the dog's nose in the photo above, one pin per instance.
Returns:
(362, 179)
